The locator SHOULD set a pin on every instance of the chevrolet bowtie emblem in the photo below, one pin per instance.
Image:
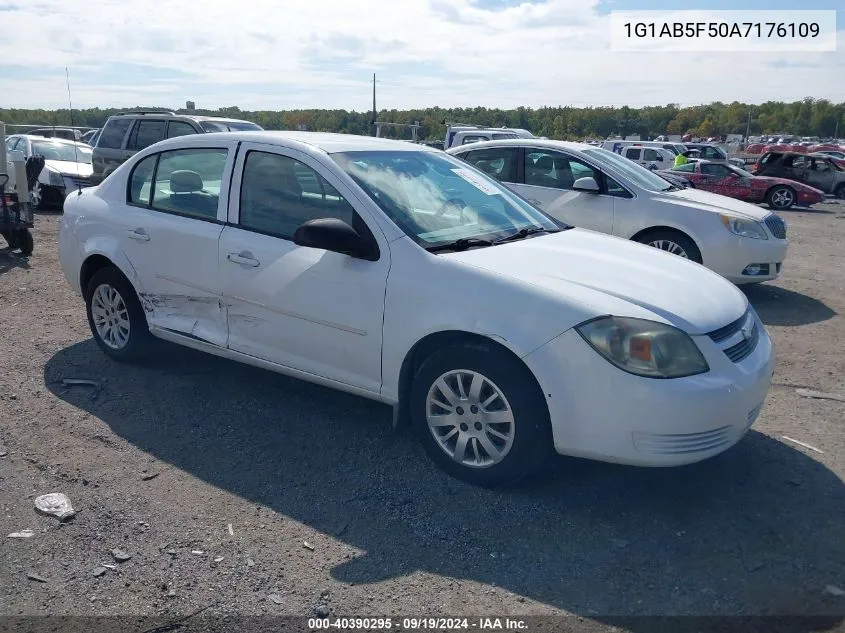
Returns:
(747, 329)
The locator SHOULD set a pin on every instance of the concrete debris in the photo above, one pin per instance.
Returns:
(22, 534)
(820, 395)
(812, 448)
(99, 571)
(275, 598)
(3, 450)
(250, 562)
(33, 576)
(231, 530)
(219, 559)
(322, 611)
(55, 504)
(197, 552)
(307, 546)
(120, 556)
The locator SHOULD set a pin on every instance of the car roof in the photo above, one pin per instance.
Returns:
(330, 143)
(171, 115)
(533, 142)
(51, 139)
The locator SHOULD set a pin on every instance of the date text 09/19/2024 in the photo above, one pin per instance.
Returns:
(760, 30)
(417, 624)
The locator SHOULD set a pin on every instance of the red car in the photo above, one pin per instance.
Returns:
(779, 193)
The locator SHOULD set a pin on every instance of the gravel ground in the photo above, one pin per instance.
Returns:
(251, 493)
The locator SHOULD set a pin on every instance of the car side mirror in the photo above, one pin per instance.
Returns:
(332, 234)
(587, 184)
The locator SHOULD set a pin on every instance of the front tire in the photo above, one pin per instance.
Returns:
(480, 415)
(781, 198)
(673, 242)
(116, 317)
(840, 191)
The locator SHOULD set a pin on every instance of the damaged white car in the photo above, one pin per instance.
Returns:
(67, 166)
(400, 273)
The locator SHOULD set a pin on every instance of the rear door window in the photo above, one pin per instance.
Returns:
(632, 153)
(498, 162)
(146, 132)
(112, 135)
(179, 128)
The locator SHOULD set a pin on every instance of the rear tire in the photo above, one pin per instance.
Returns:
(673, 242)
(116, 317)
(495, 413)
(781, 198)
(840, 191)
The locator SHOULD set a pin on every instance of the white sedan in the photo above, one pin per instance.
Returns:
(67, 166)
(399, 273)
(596, 189)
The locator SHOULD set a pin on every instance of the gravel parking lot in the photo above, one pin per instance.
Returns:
(248, 492)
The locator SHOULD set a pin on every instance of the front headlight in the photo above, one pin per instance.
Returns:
(56, 179)
(645, 348)
(743, 227)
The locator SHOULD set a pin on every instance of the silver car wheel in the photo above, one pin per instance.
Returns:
(111, 316)
(670, 247)
(470, 418)
(782, 198)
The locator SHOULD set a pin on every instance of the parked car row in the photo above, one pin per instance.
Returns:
(452, 286)
(822, 171)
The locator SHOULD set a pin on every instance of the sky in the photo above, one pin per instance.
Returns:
(289, 54)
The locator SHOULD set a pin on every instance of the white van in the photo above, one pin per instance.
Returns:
(617, 146)
(644, 155)
(464, 134)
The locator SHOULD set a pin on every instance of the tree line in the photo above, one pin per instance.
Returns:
(809, 117)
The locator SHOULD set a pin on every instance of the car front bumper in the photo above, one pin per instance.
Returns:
(730, 255)
(601, 412)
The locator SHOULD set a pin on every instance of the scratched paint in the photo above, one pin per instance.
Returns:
(202, 317)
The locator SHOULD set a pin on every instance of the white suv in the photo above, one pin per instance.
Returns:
(399, 273)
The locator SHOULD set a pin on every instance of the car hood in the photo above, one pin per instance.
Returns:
(706, 201)
(611, 275)
(69, 167)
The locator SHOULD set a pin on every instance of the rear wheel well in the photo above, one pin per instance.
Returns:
(424, 348)
(91, 266)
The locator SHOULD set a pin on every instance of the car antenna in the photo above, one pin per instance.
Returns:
(75, 148)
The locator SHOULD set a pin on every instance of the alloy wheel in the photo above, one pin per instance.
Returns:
(670, 247)
(470, 418)
(111, 316)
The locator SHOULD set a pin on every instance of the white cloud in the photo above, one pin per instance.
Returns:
(321, 53)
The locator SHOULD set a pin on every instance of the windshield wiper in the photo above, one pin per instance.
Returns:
(523, 233)
(459, 245)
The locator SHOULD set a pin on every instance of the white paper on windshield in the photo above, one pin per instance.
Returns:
(476, 181)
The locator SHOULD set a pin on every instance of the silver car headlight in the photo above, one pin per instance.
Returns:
(744, 227)
(56, 179)
(645, 348)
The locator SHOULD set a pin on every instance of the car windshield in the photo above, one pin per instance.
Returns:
(634, 172)
(679, 149)
(51, 150)
(740, 171)
(229, 126)
(437, 199)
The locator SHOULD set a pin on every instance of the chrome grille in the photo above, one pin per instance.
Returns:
(744, 348)
(724, 333)
(776, 225)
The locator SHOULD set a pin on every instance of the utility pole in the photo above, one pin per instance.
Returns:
(748, 125)
(375, 114)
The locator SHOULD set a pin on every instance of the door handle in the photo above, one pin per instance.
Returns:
(138, 234)
(244, 258)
